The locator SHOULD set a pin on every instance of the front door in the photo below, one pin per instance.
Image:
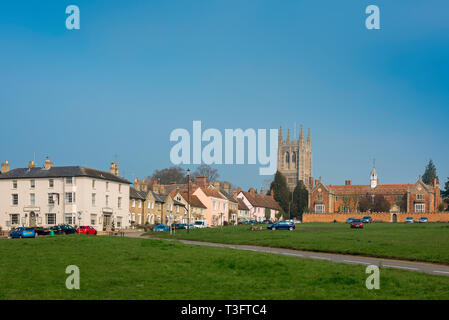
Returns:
(394, 217)
(106, 222)
(32, 219)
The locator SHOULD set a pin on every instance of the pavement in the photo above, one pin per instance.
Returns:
(424, 267)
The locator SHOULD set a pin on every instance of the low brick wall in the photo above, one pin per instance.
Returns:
(377, 217)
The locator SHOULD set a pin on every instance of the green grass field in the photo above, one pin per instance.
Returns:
(128, 268)
(422, 242)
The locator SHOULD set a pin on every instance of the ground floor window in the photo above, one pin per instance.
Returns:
(51, 218)
(419, 207)
(69, 218)
(14, 218)
(93, 219)
(319, 208)
(119, 222)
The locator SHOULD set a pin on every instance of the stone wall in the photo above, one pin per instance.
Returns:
(377, 217)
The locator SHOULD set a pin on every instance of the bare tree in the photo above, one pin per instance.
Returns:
(207, 171)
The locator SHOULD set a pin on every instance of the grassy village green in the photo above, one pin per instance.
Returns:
(129, 268)
(423, 242)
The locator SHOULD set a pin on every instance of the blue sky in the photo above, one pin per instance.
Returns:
(136, 70)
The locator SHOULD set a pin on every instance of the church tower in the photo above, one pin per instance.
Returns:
(295, 158)
(373, 178)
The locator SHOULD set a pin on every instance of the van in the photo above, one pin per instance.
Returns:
(200, 224)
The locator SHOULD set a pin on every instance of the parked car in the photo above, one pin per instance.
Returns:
(409, 220)
(282, 225)
(63, 229)
(357, 224)
(423, 220)
(367, 219)
(200, 224)
(178, 226)
(22, 232)
(87, 230)
(267, 222)
(40, 231)
(349, 220)
(161, 227)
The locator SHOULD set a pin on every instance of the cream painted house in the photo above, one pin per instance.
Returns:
(49, 195)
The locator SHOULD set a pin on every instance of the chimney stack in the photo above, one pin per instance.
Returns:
(114, 169)
(31, 164)
(5, 167)
(251, 191)
(262, 191)
(201, 181)
(227, 187)
(217, 184)
(155, 187)
(48, 164)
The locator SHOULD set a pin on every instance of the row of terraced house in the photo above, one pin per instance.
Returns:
(77, 195)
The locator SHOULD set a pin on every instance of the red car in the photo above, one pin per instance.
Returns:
(87, 230)
(357, 223)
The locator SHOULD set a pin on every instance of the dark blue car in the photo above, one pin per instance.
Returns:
(22, 232)
(282, 225)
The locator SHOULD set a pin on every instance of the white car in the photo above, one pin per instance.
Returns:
(200, 224)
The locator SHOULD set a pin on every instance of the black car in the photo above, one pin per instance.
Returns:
(42, 231)
(178, 226)
(63, 229)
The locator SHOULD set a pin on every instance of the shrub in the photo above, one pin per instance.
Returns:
(441, 207)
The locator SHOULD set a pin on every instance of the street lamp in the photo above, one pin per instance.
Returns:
(188, 200)
(79, 221)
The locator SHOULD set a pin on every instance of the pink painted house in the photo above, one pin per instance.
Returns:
(258, 204)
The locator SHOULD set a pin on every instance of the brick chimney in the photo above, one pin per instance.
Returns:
(201, 181)
(347, 182)
(31, 164)
(227, 187)
(143, 186)
(435, 183)
(155, 187)
(251, 191)
(162, 189)
(234, 195)
(48, 164)
(5, 167)
(114, 169)
(262, 192)
(217, 184)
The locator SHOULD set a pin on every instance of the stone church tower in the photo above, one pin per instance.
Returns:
(295, 159)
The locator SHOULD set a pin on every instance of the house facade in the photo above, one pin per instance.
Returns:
(75, 195)
(261, 206)
(407, 198)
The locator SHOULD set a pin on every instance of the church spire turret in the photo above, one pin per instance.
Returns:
(301, 136)
(288, 136)
(281, 139)
(373, 178)
(309, 139)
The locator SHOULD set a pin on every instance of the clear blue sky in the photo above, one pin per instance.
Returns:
(136, 70)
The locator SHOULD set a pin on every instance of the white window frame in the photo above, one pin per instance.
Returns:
(47, 218)
(319, 208)
(420, 207)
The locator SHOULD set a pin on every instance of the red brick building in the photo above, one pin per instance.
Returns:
(406, 198)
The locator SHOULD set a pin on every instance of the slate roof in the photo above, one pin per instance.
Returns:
(262, 201)
(61, 172)
(228, 196)
(135, 194)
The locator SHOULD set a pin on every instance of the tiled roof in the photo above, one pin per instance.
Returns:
(194, 200)
(61, 172)
(262, 201)
(211, 192)
(381, 188)
(242, 205)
